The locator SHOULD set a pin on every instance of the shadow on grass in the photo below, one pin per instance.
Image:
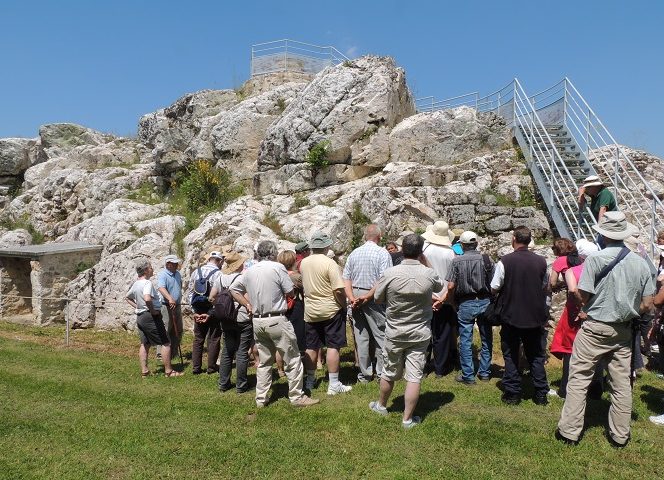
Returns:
(653, 397)
(429, 402)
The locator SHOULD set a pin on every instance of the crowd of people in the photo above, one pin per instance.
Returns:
(414, 305)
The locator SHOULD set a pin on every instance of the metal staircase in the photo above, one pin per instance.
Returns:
(563, 142)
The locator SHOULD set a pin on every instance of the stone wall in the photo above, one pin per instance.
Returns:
(15, 281)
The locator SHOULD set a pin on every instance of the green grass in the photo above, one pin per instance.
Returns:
(84, 412)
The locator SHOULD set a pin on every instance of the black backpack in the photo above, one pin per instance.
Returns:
(199, 300)
(224, 305)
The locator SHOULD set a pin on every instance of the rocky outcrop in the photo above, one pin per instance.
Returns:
(446, 137)
(14, 238)
(16, 156)
(343, 105)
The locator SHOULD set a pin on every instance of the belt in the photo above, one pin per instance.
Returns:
(271, 314)
(476, 296)
(360, 288)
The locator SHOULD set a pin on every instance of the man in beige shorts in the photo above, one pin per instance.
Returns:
(407, 290)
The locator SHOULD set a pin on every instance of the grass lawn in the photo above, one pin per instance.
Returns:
(84, 412)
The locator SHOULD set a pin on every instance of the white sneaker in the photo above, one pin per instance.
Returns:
(414, 422)
(657, 420)
(377, 408)
(338, 387)
(552, 393)
(654, 348)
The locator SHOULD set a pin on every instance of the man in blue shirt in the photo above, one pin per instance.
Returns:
(169, 285)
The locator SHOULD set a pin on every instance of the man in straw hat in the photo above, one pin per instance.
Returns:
(602, 200)
(616, 287)
(324, 312)
(438, 252)
(237, 333)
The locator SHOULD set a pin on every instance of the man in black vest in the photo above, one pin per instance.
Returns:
(520, 277)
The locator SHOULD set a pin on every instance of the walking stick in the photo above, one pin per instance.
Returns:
(177, 334)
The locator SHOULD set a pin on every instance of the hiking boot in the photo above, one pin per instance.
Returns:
(511, 399)
(305, 401)
(540, 399)
(414, 422)
(460, 379)
(336, 388)
(565, 440)
(377, 408)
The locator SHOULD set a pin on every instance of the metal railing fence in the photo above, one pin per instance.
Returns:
(292, 56)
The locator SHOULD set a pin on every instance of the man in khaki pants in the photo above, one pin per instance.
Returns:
(267, 284)
(615, 288)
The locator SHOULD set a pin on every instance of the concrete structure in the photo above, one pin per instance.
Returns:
(33, 279)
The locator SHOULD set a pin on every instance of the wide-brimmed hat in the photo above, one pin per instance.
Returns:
(402, 235)
(615, 226)
(320, 240)
(172, 259)
(592, 181)
(233, 261)
(439, 234)
(302, 246)
(586, 247)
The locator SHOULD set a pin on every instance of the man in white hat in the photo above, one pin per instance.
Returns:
(602, 200)
(616, 287)
(169, 286)
(438, 252)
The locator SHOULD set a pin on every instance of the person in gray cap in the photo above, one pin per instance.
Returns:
(169, 286)
(301, 252)
(324, 312)
(616, 287)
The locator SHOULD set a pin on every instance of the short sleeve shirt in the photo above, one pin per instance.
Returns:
(366, 264)
(440, 258)
(321, 276)
(172, 282)
(138, 289)
(603, 199)
(560, 265)
(617, 297)
(407, 290)
(266, 283)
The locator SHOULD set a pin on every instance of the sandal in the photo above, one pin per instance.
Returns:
(173, 373)
(146, 374)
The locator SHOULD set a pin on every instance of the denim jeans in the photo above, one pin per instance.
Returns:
(237, 340)
(467, 312)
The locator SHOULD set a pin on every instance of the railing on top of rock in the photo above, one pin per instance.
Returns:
(562, 106)
(292, 56)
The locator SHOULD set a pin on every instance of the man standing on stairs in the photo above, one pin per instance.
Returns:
(602, 200)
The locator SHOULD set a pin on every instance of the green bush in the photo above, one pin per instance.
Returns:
(317, 156)
(359, 221)
(24, 222)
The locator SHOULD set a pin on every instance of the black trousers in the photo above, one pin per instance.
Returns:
(212, 330)
(511, 339)
(443, 333)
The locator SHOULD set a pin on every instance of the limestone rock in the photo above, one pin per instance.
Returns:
(264, 83)
(237, 133)
(16, 156)
(13, 238)
(446, 137)
(344, 104)
(331, 220)
(59, 138)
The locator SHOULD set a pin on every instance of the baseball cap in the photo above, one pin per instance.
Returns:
(216, 254)
(172, 259)
(468, 237)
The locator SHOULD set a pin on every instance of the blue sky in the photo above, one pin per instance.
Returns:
(104, 64)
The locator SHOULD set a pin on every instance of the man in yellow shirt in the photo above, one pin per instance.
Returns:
(324, 312)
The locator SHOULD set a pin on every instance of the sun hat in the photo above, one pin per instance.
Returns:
(302, 246)
(439, 234)
(405, 233)
(586, 247)
(592, 181)
(320, 240)
(468, 237)
(614, 225)
(172, 259)
(233, 261)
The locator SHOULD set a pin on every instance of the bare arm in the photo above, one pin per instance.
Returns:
(582, 197)
(131, 302)
(646, 304)
(213, 294)
(601, 213)
(340, 297)
(348, 289)
(572, 286)
(167, 296)
(239, 298)
(148, 302)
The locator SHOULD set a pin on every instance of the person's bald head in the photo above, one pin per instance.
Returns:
(372, 232)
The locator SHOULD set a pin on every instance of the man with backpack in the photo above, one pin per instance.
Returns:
(616, 288)
(469, 284)
(235, 324)
(206, 324)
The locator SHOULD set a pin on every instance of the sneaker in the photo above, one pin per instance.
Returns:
(540, 399)
(460, 379)
(657, 419)
(553, 393)
(565, 440)
(305, 401)
(377, 408)
(364, 380)
(338, 387)
(484, 378)
(414, 422)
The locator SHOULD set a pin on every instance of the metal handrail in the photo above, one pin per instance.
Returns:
(274, 56)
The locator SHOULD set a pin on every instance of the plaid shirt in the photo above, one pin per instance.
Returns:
(366, 264)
